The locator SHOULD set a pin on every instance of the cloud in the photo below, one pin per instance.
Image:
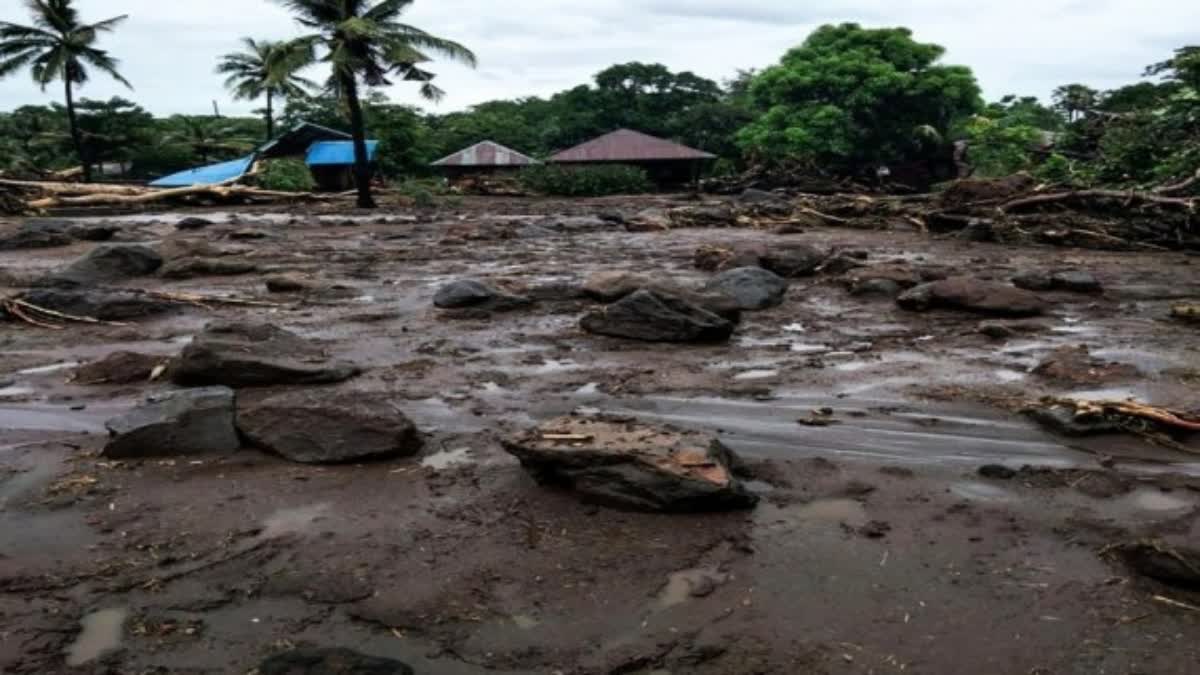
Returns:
(537, 47)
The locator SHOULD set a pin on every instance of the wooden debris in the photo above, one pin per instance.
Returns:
(43, 318)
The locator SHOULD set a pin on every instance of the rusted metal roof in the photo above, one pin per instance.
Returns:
(487, 153)
(626, 145)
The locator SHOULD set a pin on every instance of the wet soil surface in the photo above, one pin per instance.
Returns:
(878, 547)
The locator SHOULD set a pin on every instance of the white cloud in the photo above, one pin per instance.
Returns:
(536, 47)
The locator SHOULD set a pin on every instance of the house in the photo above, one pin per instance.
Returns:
(487, 157)
(667, 162)
(329, 154)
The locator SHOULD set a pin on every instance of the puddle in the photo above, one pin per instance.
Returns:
(589, 389)
(50, 419)
(1107, 394)
(547, 367)
(802, 348)
(838, 511)
(688, 584)
(795, 328)
(102, 632)
(447, 458)
(51, 368)
(292, 521)
(525, 622)
(982, 492)
(756, 375)
(15, 391)
(1157, 501)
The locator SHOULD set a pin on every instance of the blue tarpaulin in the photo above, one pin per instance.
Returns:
(207, 175)
(337, 153)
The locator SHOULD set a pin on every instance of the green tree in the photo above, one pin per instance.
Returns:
(113, 129)
(1182, 68)
(364, 43)
(208, 137)
(850, 97)
(59, 46)
(266, 68)
(1074, 100)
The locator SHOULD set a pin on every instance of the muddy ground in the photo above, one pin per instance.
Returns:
(878, 548)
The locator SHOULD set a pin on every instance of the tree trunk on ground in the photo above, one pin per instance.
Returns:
(362, 164)
(270, 116)
(76, 134)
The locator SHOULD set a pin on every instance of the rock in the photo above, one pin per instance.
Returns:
(288, 283)
(973, 295)
(317, 426)
(703, 215)
(903, 276)
(752, 287)
(34, 235)
(103, 304)
(997, 472)
(249, 234)
(612, 286)
(1179, 567)
(793, 260)
(1075, 282)
(649, 220)
(193, 223)
(255, 355)
(176, 248)
(977, 230)
(1001, 330)
(187, 268)
(761, 202)
(189, 422)
(556, 291)
(627, 464)
(885, 288)
(338, 661)
(840, 263)
(658, 317)
(1076, 365)
(472, 294)
(108, 263)
(119, 368)
(93, 232)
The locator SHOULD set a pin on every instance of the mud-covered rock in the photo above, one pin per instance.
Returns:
(188, 422)
(108, 263)
(1074, 282)
(1065, 420)
(318, 426)
(612, 286)
(753, 288)
(120, 368)
(628, 464)
(973, 295)
(1174, 566)
(658, 317)
(878, 288)
(649, 220)
(340, 661)
(33, 235)
(101, 303)
(1077, 366)
(969, 191)
(785, 260)
(473, 294)
(288, 283)
(187, 268)
(193, 223)
(255, 355)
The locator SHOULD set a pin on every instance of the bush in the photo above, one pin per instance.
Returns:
(423, 192)
(589, 181)
(286, 175)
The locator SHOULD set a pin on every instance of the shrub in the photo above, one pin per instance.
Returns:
(423, 192)
(286, 175)
(586, 181)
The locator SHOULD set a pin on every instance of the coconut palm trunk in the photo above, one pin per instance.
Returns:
(358, 129)
(76, 133)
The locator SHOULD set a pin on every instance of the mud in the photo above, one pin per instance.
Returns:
(877, 547)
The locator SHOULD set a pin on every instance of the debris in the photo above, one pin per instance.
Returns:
(1186, 312)
(188, 422)
(657, 317)
(288, 283)
(318, 426)
(255, 355)
(1082, 418)
(193, 223)
(629, 464)
(1075, 282)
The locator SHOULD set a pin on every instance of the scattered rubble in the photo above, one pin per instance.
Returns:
(187, 422)
(629, 464)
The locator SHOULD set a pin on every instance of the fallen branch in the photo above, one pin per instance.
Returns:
(1178, 187)
(39, 316)
(197, 299)
(1129, 197)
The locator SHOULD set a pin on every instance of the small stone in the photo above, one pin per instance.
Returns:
(193, 223)
(997, 472)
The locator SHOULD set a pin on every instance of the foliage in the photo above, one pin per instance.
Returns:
(286, 175)
(266, 68)
(586, 181)
(209, 138)
(998, 148)
(1058, 169)
(851, 97)
(1074, 100)
(423, 192)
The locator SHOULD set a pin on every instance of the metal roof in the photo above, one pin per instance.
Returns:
(487, 153)
(626, 145)
(298, 139)
(207, 175)
(337, 153)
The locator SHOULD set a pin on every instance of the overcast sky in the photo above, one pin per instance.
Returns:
(537, 47)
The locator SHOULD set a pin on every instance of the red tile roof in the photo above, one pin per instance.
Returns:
(486, 153)
(625, 145)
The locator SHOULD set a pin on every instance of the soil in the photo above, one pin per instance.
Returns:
(877, 547)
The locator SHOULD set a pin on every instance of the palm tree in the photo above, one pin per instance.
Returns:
(266, 68)
(58, 46)
(364, 42)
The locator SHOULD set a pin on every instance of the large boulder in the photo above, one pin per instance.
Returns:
(609, 287)
(108, 263)
(187, 268)
(973, 295)
(316, 426)
(627, 464)
(188, 422)
(752, 287)
(311, 661)
(99, 303)
(255, 355)
(473, 294)
(658, 317)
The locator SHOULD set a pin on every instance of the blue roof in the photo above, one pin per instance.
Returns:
(337, 153)
(207, 175)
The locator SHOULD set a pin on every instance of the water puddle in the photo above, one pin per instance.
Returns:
(688, 584)
(292, 521)
(525, 621)
(756, 375)
(1156, 501)
(439, 461)
(589, 389)
(982, 492)
(15, 391)
(804, 348)
(51, 368)
(102, 633)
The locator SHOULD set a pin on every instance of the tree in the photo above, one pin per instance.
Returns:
(59, 46)
(113, 129)
(266, 68)
(1074, 100)
(851, 97)
(207, 137)
(1182, 68)
(364, 43)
